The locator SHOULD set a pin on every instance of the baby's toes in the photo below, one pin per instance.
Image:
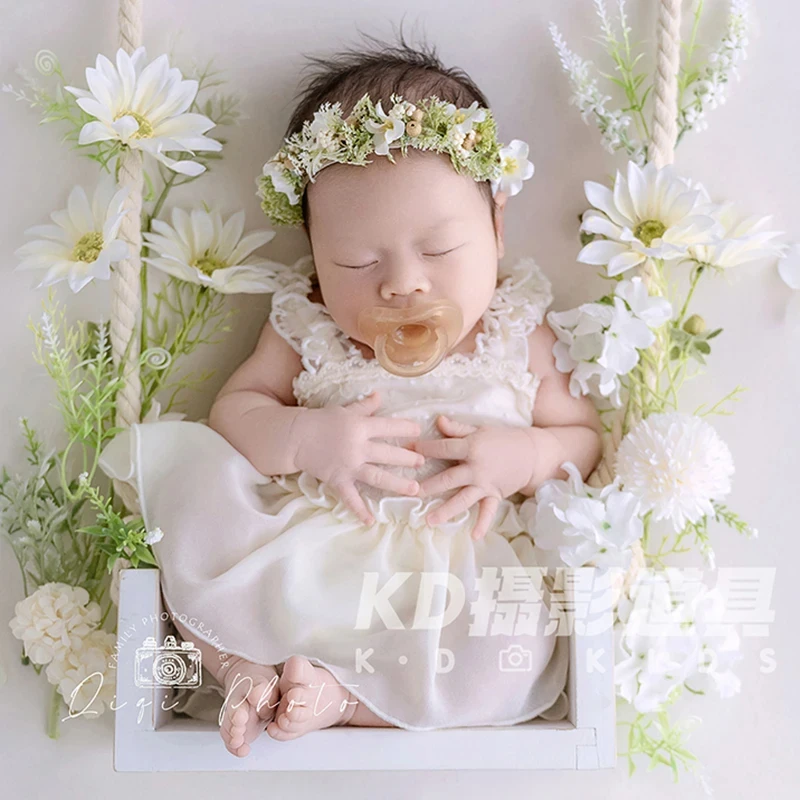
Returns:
(265, 698)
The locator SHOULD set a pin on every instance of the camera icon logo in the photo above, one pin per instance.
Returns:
(515, 658)
(172, 664)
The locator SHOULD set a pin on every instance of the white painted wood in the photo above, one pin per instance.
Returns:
(149, 739)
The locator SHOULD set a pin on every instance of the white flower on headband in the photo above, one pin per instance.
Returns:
(386, 132)
(280, 181)
(322, 128)
(515, 168)
(465, 118)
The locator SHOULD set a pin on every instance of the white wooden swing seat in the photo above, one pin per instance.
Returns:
(148, 738)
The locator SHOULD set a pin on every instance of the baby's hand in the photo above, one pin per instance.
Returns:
(335, 447)
(497, 461)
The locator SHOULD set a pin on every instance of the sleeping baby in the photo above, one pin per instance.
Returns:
(349, 514)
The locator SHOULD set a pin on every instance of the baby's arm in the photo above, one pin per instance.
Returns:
(256, 410)
(566, 428)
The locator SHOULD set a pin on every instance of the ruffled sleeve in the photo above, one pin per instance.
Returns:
(523, 296)
(305, 325)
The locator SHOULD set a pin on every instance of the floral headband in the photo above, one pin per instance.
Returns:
(467, 135)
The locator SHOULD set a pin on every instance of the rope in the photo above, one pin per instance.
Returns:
(126, 301)
(662, 150)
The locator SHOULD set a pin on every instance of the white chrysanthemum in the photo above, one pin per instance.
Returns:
(515, 168)
(198, 248)
(745, 239)
(86, 674)
(83, 243)
(55, 618)
(385, 132)
(145, 108)
(577, 525)
(652, 214)
(676, 464)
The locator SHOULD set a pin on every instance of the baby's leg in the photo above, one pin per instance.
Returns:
(312, 699)
(251, 692)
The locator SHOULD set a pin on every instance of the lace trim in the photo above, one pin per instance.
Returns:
(517, 307)
(460, 365)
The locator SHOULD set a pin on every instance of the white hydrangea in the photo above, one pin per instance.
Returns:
(54, 619)
(599, 343)
(577, 525)
(676, 464)
(85, 671)
(666, 638)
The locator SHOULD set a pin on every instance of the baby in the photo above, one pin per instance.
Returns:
(325, 486)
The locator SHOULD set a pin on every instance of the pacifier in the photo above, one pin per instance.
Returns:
(411, 341)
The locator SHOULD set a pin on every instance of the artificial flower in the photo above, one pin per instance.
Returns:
(53, 619)
(154, 536)
(154, 414)
(199, 248)
(744, 240)
(651, 214)
(385, 132)
(577, 525)
(465, 118)
(515, 168)
(666, 639)
(677, 465)
(598, 343)
(145, 108)
(86, 675)
(83, 243)
(789, 266)
(591, 101)
(280, 182)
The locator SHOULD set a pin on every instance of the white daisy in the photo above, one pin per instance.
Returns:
(385, 132)
(744, 240)
(515, 168)
(789, 266)
(652, 214)
(144, 108)
(198, 248)
(676, 464)
(83, 243)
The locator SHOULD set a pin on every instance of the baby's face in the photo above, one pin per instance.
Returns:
(396, 234)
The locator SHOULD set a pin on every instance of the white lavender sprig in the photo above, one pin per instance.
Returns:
(709, 91)
(590, 101)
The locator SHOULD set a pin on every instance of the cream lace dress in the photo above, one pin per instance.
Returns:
(276, 565)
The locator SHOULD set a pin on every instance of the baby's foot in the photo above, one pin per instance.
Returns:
(311, 699)
(251, 697)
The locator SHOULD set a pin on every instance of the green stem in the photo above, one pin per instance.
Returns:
(52, 717)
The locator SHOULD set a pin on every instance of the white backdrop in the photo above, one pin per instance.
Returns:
(748, 155)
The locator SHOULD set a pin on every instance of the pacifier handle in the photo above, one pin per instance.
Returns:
(411, 341)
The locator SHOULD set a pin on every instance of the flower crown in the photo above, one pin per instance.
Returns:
(467, 135)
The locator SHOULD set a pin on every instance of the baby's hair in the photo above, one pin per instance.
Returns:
(382, 70)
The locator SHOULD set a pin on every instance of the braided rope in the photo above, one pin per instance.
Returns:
(126, 298)
(663, 138)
